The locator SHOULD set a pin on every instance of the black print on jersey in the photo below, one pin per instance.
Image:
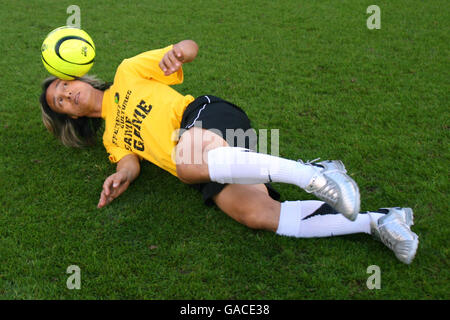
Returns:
(132, 136)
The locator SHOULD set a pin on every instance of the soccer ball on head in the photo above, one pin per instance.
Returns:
(68, 53)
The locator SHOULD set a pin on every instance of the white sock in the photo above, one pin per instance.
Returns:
(310, 219)
(243, 166)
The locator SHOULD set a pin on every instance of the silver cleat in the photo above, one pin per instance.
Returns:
(335, 187)
(394, 231)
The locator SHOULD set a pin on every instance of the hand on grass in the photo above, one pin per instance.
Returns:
(113, 187)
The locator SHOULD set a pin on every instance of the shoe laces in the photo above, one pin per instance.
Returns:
(310, 162)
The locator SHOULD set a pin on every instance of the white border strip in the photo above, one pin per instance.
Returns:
(198, 115)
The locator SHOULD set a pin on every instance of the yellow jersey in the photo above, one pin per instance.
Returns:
(142, 112)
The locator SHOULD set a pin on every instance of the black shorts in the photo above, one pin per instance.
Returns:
(218, 115)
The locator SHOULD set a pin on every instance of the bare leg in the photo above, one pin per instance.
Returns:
(191, 154)
(250, 205)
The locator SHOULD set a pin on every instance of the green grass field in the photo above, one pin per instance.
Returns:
(376, 99)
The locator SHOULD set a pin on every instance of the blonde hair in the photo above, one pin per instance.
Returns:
(76, 133)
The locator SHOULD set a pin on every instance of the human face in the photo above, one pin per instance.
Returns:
(72, 97)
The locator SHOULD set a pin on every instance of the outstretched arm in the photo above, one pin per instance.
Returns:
(182, 52)
(128, 169)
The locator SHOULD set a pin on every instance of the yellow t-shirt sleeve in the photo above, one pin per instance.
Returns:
(116, 153)
(146, 65)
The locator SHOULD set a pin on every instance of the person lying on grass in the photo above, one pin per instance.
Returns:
(146, 119)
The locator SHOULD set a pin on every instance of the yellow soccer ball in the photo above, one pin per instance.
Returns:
(68, 53)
